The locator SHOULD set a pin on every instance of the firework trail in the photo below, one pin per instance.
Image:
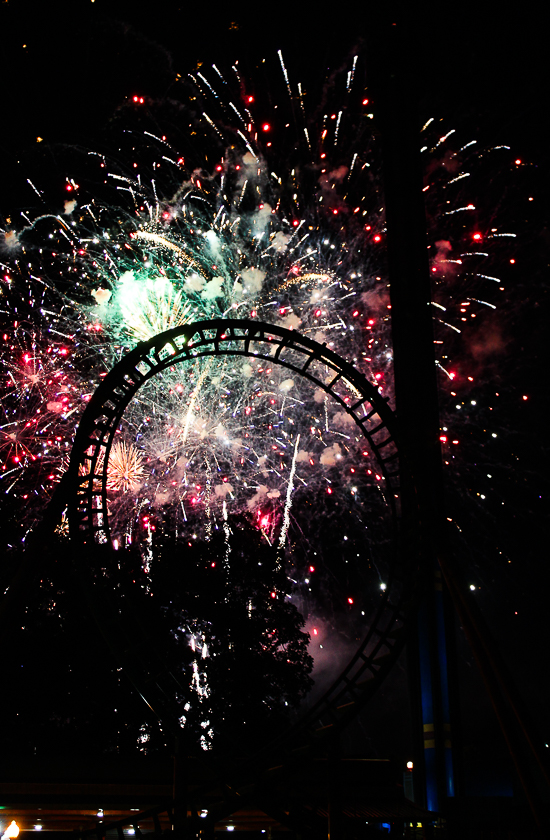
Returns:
(290, 488)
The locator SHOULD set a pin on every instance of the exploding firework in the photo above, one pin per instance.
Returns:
(125, 468)
(150, 307)
(261, 223)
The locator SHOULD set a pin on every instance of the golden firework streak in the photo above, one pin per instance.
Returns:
(166, 243)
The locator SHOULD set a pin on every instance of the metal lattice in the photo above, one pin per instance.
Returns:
(88, 516)
(86, 487)
(84, 490)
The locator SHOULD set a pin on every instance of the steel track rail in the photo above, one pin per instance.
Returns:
(85, 493)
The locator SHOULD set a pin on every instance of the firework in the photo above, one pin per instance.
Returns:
(255, 222)
(150, 307)
(125, 469)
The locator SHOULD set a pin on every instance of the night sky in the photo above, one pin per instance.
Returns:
(69, 68)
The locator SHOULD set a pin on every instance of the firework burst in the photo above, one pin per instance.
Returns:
(125, 469)
(259, 221)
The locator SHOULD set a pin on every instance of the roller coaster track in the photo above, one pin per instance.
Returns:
(88, 516)
(84, 492)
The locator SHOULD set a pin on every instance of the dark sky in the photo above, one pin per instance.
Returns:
(67, 67)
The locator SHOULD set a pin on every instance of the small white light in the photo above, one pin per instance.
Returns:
(383, 587)
(409, 765)
(472, 587)
(131, 831)
(38, 828)
(231, 828)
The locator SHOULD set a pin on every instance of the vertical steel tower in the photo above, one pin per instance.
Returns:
(417, 411)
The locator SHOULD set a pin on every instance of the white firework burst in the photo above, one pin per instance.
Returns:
(125, 469)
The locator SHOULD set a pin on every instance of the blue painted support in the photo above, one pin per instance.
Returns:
(435, 699)
(427, 706)
(444, 685)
